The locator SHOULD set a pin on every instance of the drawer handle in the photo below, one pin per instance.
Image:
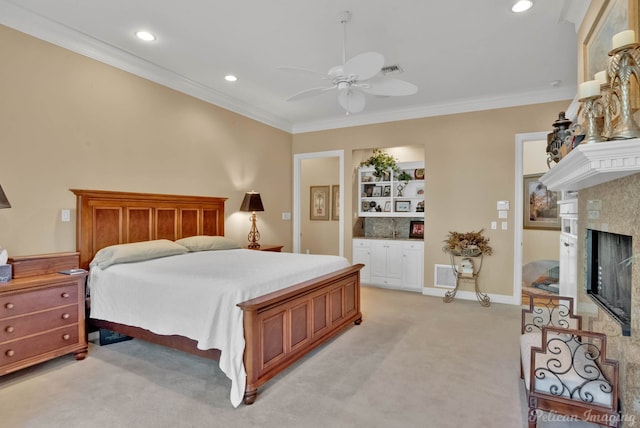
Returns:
(66, 336)
(65, 295)
(9, 306)
(65, 316)
(9, 329)
(10, 353)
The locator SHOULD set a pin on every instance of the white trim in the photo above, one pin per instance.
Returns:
(469, 295)
(297, 170)
(518, 202)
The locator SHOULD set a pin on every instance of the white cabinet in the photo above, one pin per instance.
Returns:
(389, 196)
(391, 263)
(413, 265)
(386, 260)
(362, 254)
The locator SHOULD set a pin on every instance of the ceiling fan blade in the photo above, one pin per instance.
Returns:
(389, 86)
(310, 93)
(352, 101)
(364, 66)
(301, 70)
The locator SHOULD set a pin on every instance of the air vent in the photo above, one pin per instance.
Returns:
(392, 69)
(443, 276)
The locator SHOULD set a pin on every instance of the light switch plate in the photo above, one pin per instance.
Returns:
(503, 205)
(66, 215)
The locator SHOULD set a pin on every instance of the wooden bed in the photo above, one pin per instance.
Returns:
(279, 327)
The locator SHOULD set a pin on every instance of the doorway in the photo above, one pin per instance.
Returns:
(539, 244)
(301, 194)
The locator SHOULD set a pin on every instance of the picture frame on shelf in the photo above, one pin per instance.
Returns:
(368, 190)
(377, 191)
(418, 173)
(387, 207)
(402, 206)
(386, 191)
(541, 209)
(416, 229)
(335, 202)
(319, 202)
(365, 206)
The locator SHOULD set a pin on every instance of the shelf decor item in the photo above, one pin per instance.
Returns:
(468, 244)
(381, 162)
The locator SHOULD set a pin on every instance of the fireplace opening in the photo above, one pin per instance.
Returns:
(609, 274)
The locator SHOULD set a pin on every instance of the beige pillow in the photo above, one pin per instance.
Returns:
(208, 243)
(136, 252)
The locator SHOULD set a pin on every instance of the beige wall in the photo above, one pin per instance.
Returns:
(67, 121)
(318, 236)
(469, 165)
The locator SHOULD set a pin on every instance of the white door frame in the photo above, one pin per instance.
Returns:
(297, 197)
(518, 213)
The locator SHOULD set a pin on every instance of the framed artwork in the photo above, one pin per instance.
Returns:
(335, 202)
(541, 210)
(387, 207)
(403, 206)
(416, 229)
(606, 18)
(386, 191)
(377, 191)
(319, 203)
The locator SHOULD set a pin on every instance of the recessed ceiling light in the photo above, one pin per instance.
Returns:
(522, 6)
(230, 78)
(145, 35)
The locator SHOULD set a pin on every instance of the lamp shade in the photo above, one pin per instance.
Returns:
(4, 202)
(251, 202)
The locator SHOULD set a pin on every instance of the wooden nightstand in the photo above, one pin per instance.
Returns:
(266, 247)
(42, 312)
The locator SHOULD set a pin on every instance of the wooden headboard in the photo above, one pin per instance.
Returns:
(106, 218)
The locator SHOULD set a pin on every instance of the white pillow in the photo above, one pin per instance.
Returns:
(135, 252)
(208, 243)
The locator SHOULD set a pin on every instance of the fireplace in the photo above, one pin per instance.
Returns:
(609, 257)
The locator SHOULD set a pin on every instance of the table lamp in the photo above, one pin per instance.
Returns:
(252, 203)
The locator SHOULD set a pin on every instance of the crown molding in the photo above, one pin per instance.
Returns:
(28, 22)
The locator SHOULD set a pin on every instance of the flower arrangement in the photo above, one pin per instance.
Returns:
(467, 244)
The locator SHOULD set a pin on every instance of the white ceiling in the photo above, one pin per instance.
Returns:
(463, 55)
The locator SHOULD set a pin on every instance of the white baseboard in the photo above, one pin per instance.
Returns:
(471, 295)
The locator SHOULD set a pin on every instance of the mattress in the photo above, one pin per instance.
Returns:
(196, 295)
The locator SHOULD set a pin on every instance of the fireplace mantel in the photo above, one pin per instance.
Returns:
(592, 164)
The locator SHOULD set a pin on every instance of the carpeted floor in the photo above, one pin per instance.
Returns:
(413, 362)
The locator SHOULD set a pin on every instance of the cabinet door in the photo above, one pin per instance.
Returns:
(394, 259)
(362, 254)
(413, 266)
(378, 258)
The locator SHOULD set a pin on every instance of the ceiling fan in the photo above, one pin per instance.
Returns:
(354, 78)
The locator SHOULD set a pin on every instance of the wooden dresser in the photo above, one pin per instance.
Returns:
(42, 312)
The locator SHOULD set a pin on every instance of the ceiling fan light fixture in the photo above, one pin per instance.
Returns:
(521, 6)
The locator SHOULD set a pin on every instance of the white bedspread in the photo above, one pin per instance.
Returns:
(195, 295)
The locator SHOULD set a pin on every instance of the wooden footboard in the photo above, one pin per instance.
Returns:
(282, 327)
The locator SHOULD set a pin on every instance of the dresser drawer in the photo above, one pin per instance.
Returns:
(12, 352)
(24, 303)
(25, 325)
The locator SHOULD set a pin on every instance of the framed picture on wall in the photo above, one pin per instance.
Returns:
(319, 203)
(402, 206)
(335, 202)
(541, 210)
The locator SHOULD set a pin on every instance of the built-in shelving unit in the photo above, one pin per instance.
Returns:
(389, 197)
